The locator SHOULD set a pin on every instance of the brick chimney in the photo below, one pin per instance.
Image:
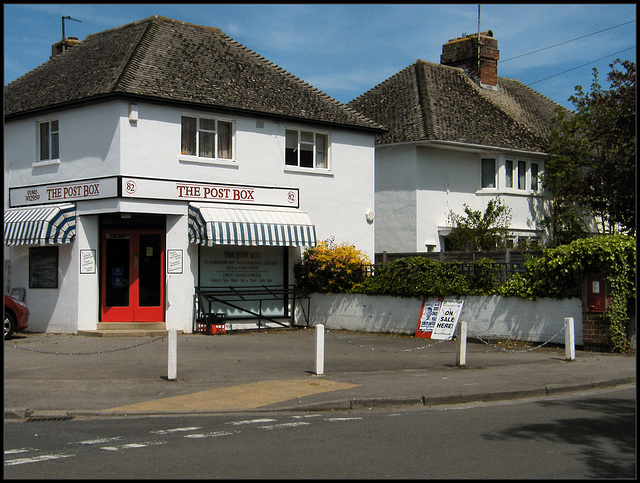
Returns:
(463, 52)
(63, 45)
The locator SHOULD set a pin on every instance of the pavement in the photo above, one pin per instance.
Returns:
(65, 375)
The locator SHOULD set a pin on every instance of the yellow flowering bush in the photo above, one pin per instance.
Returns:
(330, 268)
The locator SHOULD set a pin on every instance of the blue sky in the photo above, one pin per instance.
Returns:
(346, 49)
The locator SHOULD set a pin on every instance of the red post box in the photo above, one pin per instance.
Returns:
(596, 293)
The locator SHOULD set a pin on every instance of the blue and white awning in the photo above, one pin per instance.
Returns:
(211, 225)
(40, 225)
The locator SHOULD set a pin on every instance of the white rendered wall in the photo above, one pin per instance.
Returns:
(487, 317)
(395, 199)
(51, 309)
(180, 286)
(89, 146)
(337, 199)
(417, 187)
(87, 299)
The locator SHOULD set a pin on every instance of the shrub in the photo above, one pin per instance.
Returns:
(561, 272)
(330, 268)
(484, 280)
(416, 277)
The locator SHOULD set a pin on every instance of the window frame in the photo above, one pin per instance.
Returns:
(201, 133)
(43, 260)
(494, 184)
(300, 141)
(52, 147)
(526, 174)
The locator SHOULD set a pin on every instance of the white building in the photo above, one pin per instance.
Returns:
(161, 156)
(457, 134)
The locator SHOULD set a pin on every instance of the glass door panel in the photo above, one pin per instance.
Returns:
(132, 275)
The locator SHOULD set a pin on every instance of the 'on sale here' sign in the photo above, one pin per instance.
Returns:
(438, 318)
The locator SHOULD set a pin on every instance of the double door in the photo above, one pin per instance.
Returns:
(132, 281)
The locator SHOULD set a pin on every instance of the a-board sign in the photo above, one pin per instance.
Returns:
(428, 316)
(438, 318)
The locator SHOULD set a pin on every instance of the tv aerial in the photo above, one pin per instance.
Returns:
(67, 18)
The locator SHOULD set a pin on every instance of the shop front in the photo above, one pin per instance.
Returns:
(141, 250)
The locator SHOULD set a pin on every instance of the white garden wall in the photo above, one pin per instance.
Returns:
(487, 317)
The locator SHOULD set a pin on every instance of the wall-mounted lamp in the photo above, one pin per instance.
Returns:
(370, 216)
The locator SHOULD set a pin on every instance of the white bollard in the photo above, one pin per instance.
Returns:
(461, 345)
(569, 339)
(319, 349)
(173, 355)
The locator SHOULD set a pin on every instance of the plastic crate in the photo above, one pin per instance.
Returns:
(217, 329)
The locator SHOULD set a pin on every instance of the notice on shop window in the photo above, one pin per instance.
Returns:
(241, 266)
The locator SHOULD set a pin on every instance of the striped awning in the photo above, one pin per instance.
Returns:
(40, 225)
(212, 225)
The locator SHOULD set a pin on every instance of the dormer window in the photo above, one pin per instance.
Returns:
(48, 140)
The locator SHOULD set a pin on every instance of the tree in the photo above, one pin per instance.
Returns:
(479, 231)
(591, 169)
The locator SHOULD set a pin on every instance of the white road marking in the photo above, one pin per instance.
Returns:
(215, 434)
(19, 450)
(176, 430)
(252, 421)
(132, 445)
(35, 459)
(96, 441)
(285, 425)
(341, 419)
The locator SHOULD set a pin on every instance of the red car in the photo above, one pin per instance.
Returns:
(16, 315)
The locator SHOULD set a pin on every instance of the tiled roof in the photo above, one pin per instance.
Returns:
(163, 59)
(433, 102)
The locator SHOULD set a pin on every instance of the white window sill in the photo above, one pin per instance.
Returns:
(310, 171)
(208, 161)
(510, 192)
(45, 162)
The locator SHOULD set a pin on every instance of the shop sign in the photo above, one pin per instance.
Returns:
(88, 189)
(220, 193)
(146, 188)
(438, 318)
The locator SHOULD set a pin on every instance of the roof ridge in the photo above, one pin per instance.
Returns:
(424, 100)
(124, 77)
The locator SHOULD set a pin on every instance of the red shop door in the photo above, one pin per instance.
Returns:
(132, 279)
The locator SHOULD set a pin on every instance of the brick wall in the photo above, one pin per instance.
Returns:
(595, 330)
(463, 52)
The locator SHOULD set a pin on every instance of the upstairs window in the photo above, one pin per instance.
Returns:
(48, 140)
(522, 175)
(535, 184)
(206, 138)
(306, 149)
(508, 174)
(488, 173)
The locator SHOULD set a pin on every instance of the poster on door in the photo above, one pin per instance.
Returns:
(438, 318)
